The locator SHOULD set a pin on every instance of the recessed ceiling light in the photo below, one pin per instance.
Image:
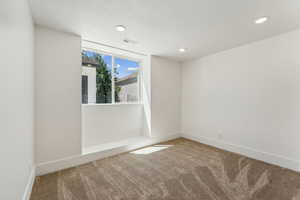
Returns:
(120, 28)
(182, 50)
(261, 20)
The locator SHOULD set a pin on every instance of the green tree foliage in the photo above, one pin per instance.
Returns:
(103, 82)
(117, 91)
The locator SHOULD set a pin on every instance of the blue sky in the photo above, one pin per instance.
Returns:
(124, 66)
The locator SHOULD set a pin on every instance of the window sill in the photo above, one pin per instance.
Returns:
(112, 104)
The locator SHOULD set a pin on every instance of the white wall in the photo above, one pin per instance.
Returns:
(110, 123)
(249, 97)
(16, 104)
(166, 97)
(146, 94)
(58, 95)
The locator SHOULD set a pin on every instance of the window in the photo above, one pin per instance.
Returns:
(109, 79)
(126, 80)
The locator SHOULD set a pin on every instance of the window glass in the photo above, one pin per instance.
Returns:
(101, 84)
(126, 73)
(97, 77)
(84, 89)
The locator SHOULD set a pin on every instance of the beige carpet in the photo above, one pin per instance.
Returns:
(177, 170)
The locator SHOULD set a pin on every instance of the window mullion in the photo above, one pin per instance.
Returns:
(113, 80)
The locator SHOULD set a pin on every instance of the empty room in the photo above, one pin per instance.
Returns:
(150, 100)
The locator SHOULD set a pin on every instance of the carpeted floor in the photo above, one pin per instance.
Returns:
(177, 170)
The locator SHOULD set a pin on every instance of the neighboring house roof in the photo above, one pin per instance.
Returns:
(89, 61)
(132, 78)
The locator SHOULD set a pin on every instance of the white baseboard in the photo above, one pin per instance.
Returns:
(249, 152)
(88, 156)
(29, 185)
(45, 168)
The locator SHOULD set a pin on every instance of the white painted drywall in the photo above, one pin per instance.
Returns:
(166, 97)
(17, 98)
(248, 96)
(110, 123)
(58, 95)
(146, 95)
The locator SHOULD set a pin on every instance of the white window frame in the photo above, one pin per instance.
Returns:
(113, 56)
